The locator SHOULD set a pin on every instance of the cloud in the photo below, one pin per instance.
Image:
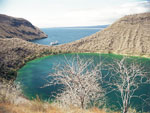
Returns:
(49, 13)
(98, 16)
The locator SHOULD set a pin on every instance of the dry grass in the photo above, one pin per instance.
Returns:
(12, 101)
(34, 107)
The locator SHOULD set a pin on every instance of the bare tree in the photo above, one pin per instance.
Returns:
(80, 81)
(125, 78)
(83, 84)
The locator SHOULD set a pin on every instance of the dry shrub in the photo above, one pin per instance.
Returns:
(10, 93)
(12, 101)
(38, 105)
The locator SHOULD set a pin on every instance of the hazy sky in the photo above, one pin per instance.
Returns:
(58, 13)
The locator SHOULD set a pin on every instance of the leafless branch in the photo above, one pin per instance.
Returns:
(80, 79)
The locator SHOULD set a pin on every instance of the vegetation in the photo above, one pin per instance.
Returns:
(80, 84)
(125, 79)
(82, 91)
(12, 101)
(85, 85)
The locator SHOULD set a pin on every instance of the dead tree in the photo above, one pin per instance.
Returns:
(125, 78)
(80, 81)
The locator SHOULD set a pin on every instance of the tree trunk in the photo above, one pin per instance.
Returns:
(82, 102)
(125, 110)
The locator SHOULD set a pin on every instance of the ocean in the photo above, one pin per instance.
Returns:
(66, 35)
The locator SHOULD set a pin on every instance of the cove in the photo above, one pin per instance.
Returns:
(33, 76)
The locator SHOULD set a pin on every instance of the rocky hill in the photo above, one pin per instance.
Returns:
(129, 35)
(11, 27)
(15, 52)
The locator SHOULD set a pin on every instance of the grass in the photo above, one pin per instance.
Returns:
(35, 107)
(12, 101)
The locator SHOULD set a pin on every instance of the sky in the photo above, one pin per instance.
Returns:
(65, 13)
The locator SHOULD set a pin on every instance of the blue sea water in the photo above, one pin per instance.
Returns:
(66, 35)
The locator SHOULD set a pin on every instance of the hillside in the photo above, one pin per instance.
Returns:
(15, 52)
(129, 35)
(11, 27)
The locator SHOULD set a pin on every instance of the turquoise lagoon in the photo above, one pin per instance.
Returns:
(33, 76)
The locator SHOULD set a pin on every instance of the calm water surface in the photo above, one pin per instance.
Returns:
(65, 35)
(34, 75)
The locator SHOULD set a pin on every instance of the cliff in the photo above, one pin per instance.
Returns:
(129, 35)
(11, 27)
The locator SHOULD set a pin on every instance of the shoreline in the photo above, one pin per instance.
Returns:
(12, 72)
(42, 56)
(100, 55)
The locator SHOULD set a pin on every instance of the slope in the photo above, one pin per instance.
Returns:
(129, 35)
